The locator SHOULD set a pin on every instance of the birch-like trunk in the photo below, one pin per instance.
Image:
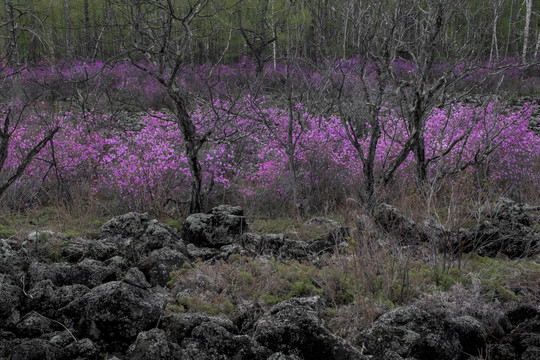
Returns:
(494, 42)
(526, 29)
(537, 47)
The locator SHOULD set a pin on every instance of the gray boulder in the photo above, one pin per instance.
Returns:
(522, 341)
(113, 313)
(204, 337)
(11, 296)
(295, 327)
(128, 225)
(82, 349)
(6, 344)
(396, 223)
(210, 340)
(505, 228)
(35, 349)
(10, 260)
(282, 356)
(88, 272)
(34, 325)
(409, 332)
(134, 236)
(46, 298)
(221, 226)
(150, 345)
(159, 263)
(135, 277)
(179, 326)
(491, 238)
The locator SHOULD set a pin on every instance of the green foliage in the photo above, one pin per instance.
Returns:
(330, 311)
(175, 309)
(175, 224)
(292, 228)
(51, 248)
(271, 299)
(245, 278)
(6, 232)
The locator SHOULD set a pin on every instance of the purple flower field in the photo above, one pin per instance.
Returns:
(254, 144)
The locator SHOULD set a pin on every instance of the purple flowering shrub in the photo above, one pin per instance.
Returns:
(254, 145)
(247, 156)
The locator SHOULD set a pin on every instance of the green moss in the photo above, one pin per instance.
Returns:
(330, 311)
(271, 299)
(506, 294)
(246, 278)
(228, 307)
(51, 250)
(175, 309)
(208, 309)
(303, 288)
(6, 232)
(176, 224)
(71, 234)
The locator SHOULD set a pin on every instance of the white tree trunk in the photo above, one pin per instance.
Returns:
(494, 51)
(537, 45)
(526, 30)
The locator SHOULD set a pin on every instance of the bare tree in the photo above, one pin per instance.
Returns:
(69, 47)
(159, 42)
(411, 56)
(87, 44)
(12, 116)
(13, 51)
(257, 42)
(8, 127)
(494, 49)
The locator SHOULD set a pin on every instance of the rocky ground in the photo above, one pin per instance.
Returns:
(108, 298)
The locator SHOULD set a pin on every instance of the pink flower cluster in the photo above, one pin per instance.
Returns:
(254, 147)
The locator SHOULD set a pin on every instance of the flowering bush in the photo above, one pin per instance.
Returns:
(143, 166)
(255, 146)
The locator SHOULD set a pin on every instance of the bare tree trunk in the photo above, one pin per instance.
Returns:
(526, 29)
(13, 48)
(6, 132)
(345, 30)
(69, 50)
(537, 47)
(196, 177)
(192, 147)
(494, 43)
(87, 44)
(291, 150)
(369, 167)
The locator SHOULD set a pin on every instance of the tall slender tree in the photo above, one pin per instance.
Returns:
(69, 47)
(157, 38)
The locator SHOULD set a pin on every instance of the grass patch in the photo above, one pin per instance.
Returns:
(292, 228)
(52, 218)
(6, 232)
(240, 278)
